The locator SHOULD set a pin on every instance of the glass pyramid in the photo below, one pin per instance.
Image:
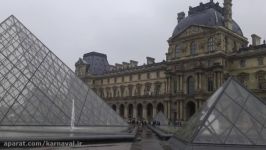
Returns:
(231, 116)
(38, 89)
(161, 118)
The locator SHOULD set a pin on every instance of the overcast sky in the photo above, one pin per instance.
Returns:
(122, 29)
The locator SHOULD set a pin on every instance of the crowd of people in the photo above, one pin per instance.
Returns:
(143, 122)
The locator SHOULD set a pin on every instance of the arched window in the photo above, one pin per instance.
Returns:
(130, 111)
(114, 107)
(193, 48)
(139, 112)
(190, 86)
(122, 110)
(177, 51)
(210, 44)
(150, 111)
(160, 108)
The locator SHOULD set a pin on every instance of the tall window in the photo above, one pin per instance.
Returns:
(210, 84)
(242, 63)
(261, 75)
(148, 75)
(130, 88)
(115, 91)
(190, 86)
(175, 86)
(139, 76)
(177, 51)
(147, 89)
(138, 90)
(260, 61)
(193, 48)
(157, 89)
(158, 74)
(210, 44)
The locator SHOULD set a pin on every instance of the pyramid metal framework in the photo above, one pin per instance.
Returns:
(232, 116)
(38, 89)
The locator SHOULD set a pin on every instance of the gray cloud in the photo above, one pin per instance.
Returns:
(123, 29)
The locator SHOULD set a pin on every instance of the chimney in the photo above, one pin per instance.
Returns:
(118, 66)
(228, 22)
(180, 16)
(255, 40)
(150, 60)
(133, 63)
(125, 65)
(111, 67)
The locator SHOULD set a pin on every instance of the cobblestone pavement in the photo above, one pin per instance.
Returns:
(147, 140)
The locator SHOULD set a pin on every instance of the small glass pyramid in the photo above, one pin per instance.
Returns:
(38, 89)
(231, 116)
(161, 118)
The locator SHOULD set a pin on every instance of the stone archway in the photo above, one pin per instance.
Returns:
(130, 111)
(149, 112)
(114, 107)
(160, 107)
(122, 110)
(190, 109)
(139, 112)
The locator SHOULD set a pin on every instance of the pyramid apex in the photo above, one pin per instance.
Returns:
(232, 107)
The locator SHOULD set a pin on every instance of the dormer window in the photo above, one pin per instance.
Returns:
(210, 45)
(193, 48)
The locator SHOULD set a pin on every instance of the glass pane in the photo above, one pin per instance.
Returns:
(228, 108)
(235, 137)
(37, 88)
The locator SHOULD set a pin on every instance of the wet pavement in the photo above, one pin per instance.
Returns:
(147, 140)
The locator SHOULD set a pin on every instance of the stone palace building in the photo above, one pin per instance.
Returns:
(206, 47)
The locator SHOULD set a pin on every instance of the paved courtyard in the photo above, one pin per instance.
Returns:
(146, 140)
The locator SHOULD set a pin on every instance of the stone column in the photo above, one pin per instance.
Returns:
(196, 81)
(169, 110)
(144, 112)
(197, 105)
(118, 109)
(135, 111)
(215, 80)
(165, 109)
(181, 83)
(181, 110)
(153, 110)
(178, 83)
(177, 110)
(126, 111)
(200, 80)
(222, 78)
(168, 85)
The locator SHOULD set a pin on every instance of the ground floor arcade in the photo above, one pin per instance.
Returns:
(146, 110)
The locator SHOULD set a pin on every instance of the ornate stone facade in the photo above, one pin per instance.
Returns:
(206, 47)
